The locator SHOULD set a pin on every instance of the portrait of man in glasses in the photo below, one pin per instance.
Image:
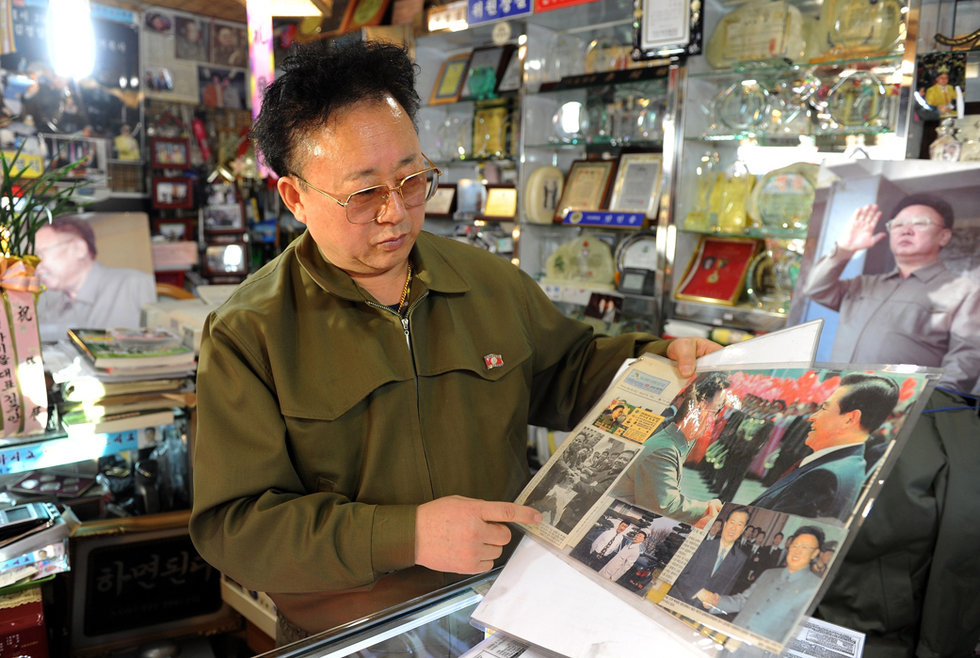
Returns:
(364, 398)
(920, 312)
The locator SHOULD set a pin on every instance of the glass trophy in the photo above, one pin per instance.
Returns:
(743, 107)
(759, 32)
(858, 101)
(861, 28)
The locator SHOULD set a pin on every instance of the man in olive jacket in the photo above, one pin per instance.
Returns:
(363, 399)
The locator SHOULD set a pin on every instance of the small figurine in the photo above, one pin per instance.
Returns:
(127, 148)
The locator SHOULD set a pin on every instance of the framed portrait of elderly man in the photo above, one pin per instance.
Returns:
(907, 289)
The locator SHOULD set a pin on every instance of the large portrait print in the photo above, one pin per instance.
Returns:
(908, 288)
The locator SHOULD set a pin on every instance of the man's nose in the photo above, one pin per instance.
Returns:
(394, 209)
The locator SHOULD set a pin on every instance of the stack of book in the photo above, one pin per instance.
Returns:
(121, 379)
(33, 542)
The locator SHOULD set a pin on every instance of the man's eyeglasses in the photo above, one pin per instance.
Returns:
(365, 206)
(915, 223)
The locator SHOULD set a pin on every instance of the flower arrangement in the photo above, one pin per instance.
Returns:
(30, 196)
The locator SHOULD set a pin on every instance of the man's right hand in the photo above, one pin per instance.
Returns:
(465, 535)
(859, 232)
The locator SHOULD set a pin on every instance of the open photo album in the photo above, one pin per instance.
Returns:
(725, 500)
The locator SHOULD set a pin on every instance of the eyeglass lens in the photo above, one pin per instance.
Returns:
(367, 205)
(916, 223)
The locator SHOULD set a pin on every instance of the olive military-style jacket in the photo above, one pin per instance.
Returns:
(324, 419)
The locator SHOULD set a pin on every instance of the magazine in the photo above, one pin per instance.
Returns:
(726, 500)
(132, 348)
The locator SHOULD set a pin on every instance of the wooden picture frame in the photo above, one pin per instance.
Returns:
(501, 204)
(717, 270)
(172, 193)
(225, 259)
(637, 186)
(443, 202)
(170, 153)
(366, 13)
(224, 218)
(449, 82)
(175, 229)
(586, 186)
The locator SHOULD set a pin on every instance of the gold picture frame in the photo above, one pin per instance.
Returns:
(449, 82)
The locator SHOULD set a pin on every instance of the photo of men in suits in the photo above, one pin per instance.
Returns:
(771, 607)
(716, 565)
(827, 483)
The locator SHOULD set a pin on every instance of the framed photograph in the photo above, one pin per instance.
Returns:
(176, 229)
(229, 46)
(485, 71)
(449, 82)
(637, 186)
(227, 259)
(170, 153)
(225, 218)
(172, 193)
(221, 87)
(586, 186)
(443, 201)
(717, 270)
(366, 12)
(501, 202)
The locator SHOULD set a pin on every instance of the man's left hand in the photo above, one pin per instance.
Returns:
(685, 350)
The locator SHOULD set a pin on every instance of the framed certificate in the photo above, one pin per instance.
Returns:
(717, 270)
(586, 186)
(501, 202)
(637, 186)
(667, 28)
(443, 201)
(449, 82)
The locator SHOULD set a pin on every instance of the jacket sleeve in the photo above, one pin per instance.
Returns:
(658, 488)
(246, 490)
(823, 285)
(572, 365)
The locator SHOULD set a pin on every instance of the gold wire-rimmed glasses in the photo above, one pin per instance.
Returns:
(365, 206)
(915, 223)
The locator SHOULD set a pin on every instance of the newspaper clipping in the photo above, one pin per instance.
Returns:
(725, 499)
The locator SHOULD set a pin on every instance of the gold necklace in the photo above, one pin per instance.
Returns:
(405, 290)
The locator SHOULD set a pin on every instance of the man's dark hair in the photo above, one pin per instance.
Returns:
(78, 227)
(704, 387)
(938, 204)
(875, 397)
(740, 510)
(320, 78)
(808, 530)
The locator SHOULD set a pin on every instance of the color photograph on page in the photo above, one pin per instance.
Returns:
(786, 458)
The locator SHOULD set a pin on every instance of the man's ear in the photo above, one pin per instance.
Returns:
(853, 417)
(945, 237)
(289, 191)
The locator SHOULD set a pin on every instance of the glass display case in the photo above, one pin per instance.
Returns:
(434, 624)
(782, 88)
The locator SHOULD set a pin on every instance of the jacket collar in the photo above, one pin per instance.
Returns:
(429, 263)
(926, 273)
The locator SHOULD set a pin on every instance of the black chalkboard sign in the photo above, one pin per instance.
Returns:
(138, 583)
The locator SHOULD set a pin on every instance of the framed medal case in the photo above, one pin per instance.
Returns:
(717, 270)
